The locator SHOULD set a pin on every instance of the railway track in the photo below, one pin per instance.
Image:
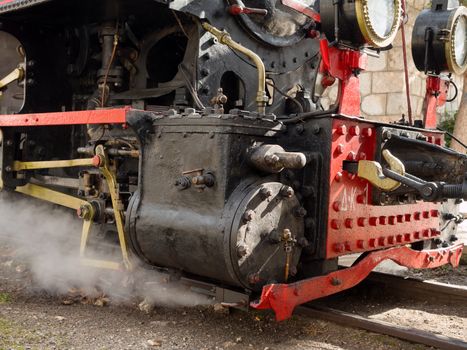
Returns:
(407, 287)
(405, 333)
(419, 289)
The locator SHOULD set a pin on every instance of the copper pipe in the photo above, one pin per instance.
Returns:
(226, 39)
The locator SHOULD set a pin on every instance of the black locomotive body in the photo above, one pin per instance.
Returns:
(213, 150)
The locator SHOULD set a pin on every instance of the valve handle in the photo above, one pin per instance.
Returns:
(238, 9)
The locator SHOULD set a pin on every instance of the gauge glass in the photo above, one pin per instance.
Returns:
(381, 15)
(460, 41)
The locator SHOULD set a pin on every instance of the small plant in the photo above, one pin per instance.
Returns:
(447, 124)
(5, 298)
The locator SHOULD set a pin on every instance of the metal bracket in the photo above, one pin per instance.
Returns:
(283, 298)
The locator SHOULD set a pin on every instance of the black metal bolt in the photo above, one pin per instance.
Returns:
(427, 191)
(308, 191)
(387, 135)
(249, 215)
(310, 223)
(254, 278)
(336, 282)
(300, 212)
(265, 192)
(287, 192)
(274, 237)
(303, 242)
(300, 129)
(316, 129)
(242, 250)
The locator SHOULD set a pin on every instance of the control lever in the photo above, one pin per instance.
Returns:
(430, 191)
(16, 74)
(239, 8)
(390, 178)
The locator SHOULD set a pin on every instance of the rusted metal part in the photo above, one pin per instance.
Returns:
(406, 333)
(283, 298)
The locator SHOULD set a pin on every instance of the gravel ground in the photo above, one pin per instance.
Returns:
(33, 319)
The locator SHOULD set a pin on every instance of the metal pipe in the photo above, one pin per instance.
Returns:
(226, 39)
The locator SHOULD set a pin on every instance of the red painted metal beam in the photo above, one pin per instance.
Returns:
(101, 116)
(283, 298)
(344, 65)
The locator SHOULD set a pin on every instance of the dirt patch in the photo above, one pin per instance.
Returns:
(33, 319)
(444, 274)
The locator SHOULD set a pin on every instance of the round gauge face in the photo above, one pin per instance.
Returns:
(282, 26)
(460, 41)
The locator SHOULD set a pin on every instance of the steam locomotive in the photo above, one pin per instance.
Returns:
(191, 134)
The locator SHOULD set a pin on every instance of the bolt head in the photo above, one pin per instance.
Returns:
(336, 282)
(242, 250)
(266, 192)
(300, 212)
(249, 215)
(303, 242)
(287, 192)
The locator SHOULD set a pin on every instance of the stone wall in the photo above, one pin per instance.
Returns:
(383, 85)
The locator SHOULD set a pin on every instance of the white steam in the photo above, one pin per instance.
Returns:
(46, 240)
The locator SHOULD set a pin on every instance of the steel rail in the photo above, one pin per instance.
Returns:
(401, 332)
(419, 289)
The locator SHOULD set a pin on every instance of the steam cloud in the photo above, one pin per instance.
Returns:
(46, 239)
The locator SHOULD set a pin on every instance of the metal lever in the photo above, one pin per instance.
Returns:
(391, 178)
(430, 191)
(238, 9)
(373, 171)
(16, 74)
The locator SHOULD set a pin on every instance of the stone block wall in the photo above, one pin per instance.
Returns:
(383, 85)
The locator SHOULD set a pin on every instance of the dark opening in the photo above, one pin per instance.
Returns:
(164, 58)
(234, 89)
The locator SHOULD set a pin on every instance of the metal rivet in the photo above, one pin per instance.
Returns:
(354, 130)
(335, 224)
(341, 130)
(361, 222)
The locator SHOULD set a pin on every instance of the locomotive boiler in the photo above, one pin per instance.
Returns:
(191, 134)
